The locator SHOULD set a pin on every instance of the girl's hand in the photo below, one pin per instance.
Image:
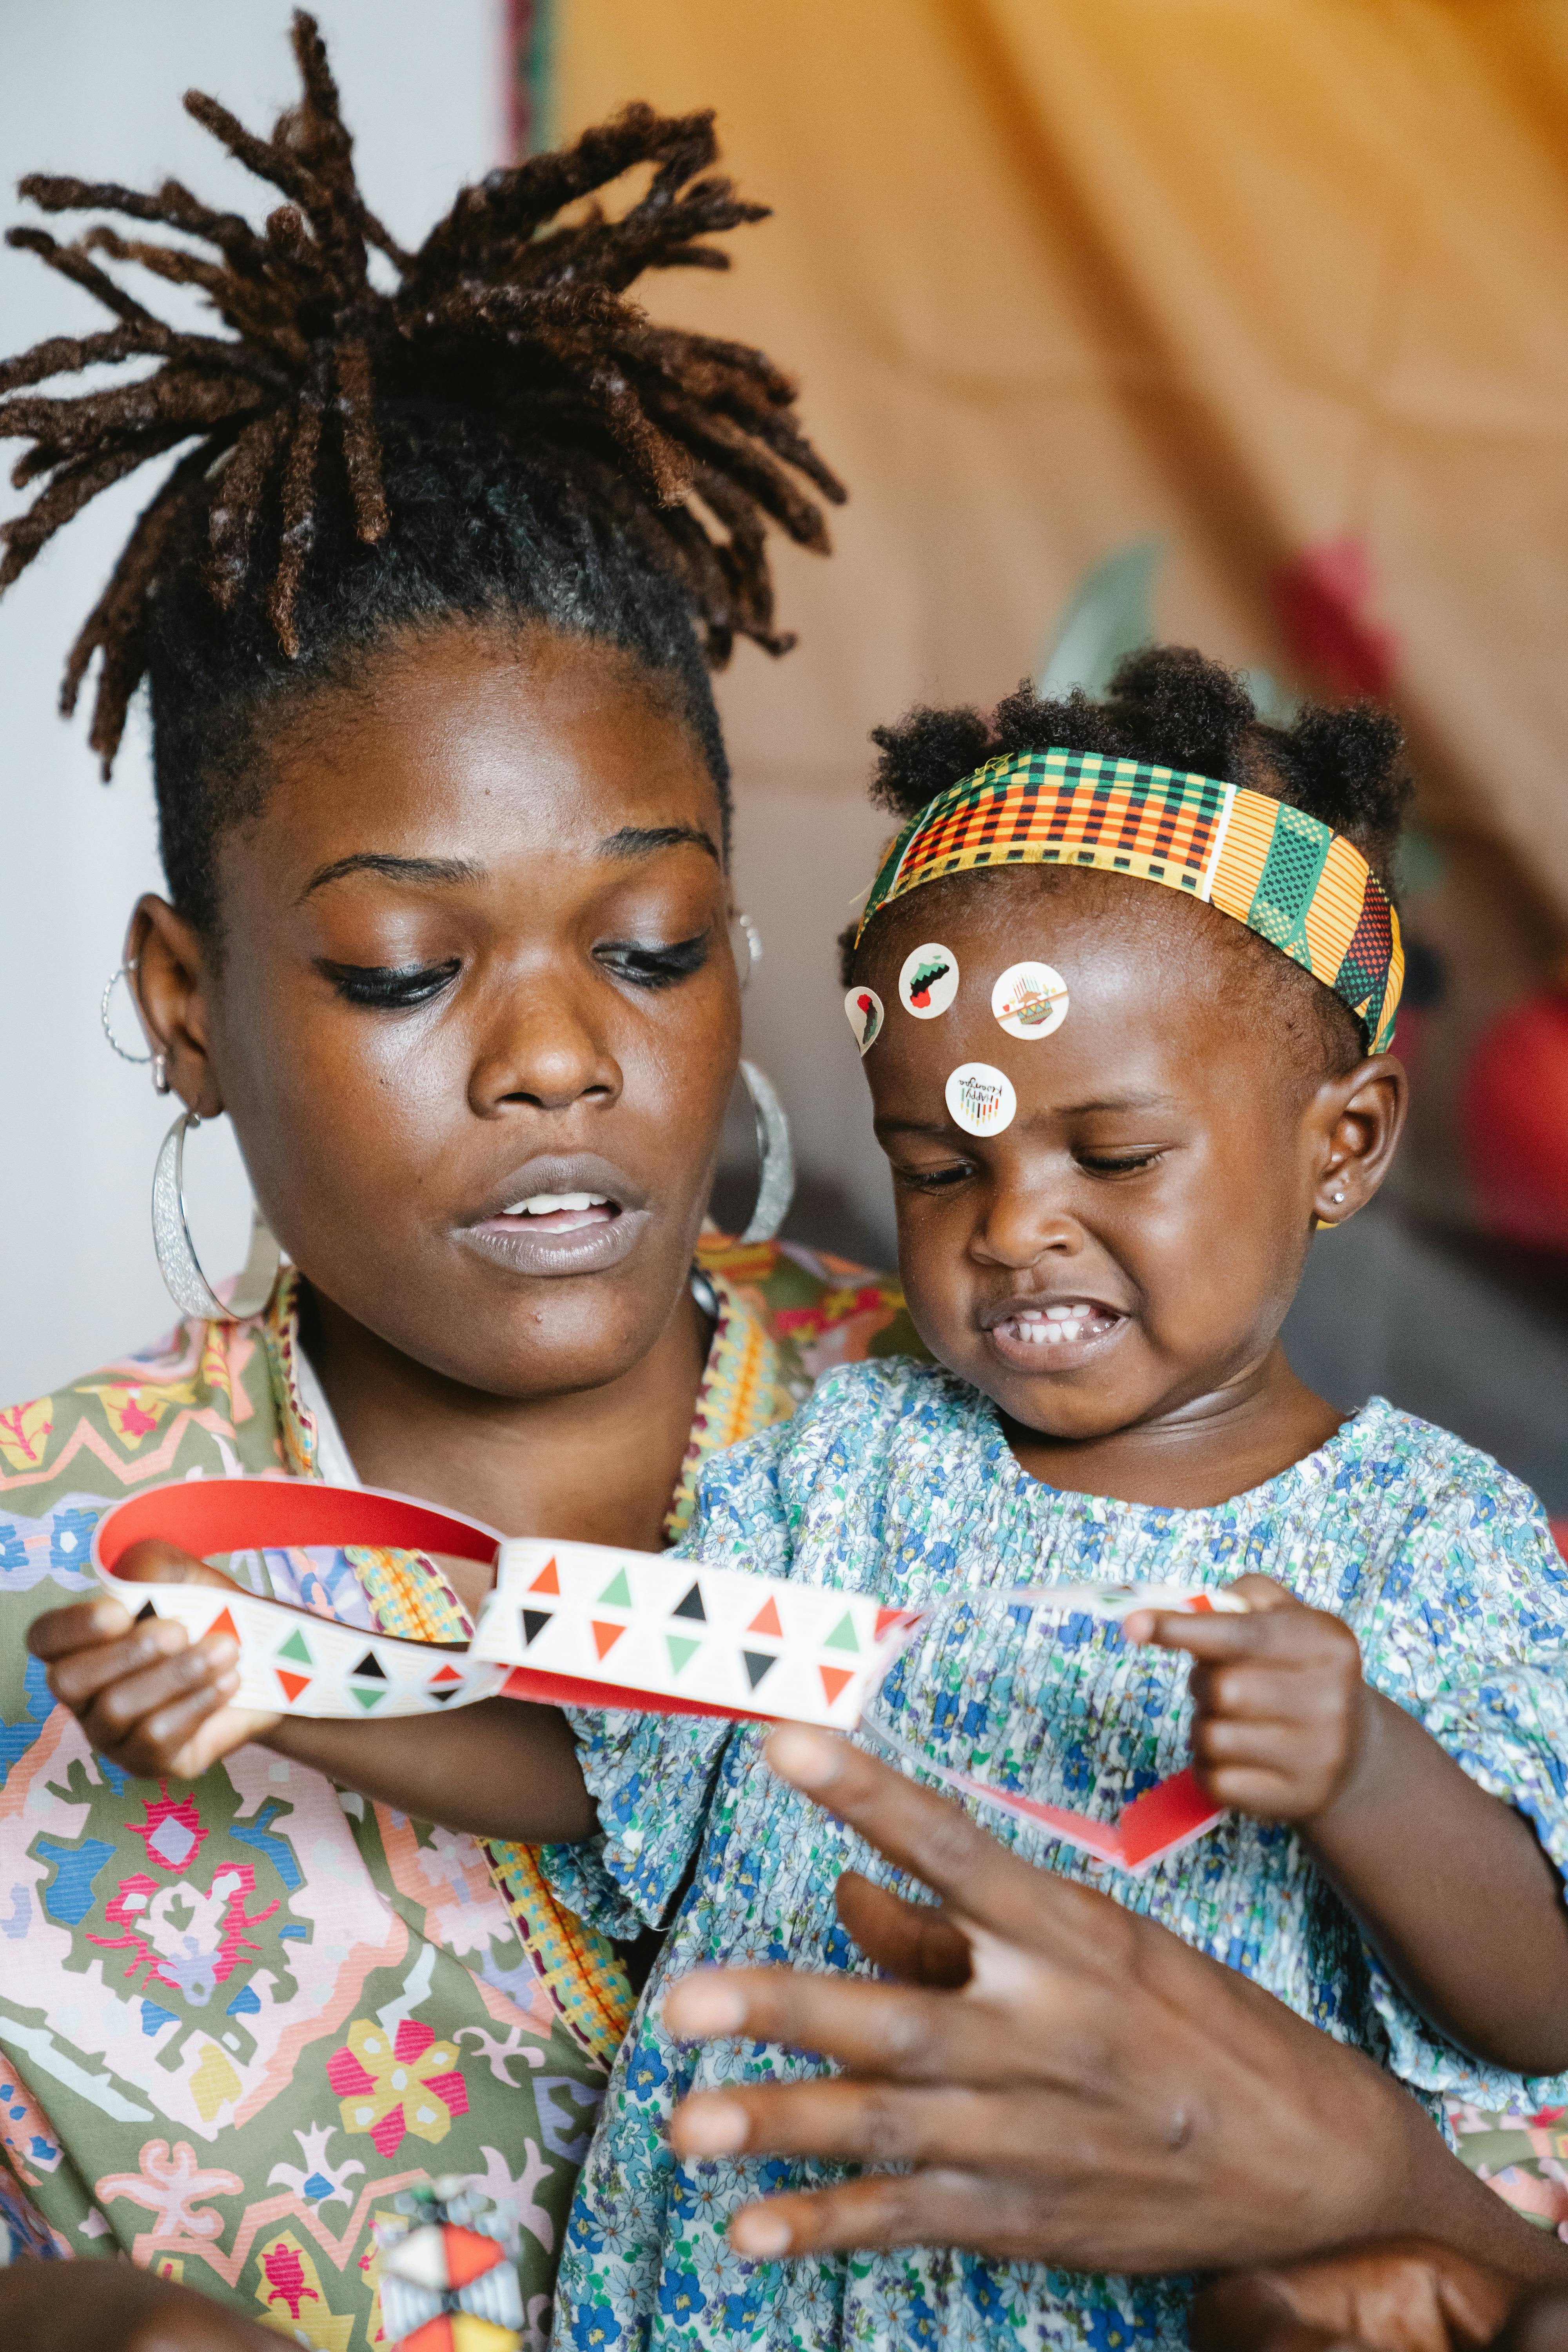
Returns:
(1402, 2295)
(1281, 1709)
(148, 1699)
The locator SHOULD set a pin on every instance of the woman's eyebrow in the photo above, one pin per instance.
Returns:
(396, 869)
(644, 840)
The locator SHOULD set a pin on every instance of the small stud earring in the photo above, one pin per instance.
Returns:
(1339, 1195)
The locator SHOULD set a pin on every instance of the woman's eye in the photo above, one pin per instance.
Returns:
(647, 966)
(387, 987)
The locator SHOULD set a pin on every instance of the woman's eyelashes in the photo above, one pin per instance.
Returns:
(647, 965)
(389, 988)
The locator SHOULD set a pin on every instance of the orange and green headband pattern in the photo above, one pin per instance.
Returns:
(1291, 878)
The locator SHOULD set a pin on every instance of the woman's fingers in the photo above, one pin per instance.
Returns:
(854, 2121)
(78, 1673)
(913, 1941)
(948, 2208)
(898, 2031)
(935, 1839)
(137, 1702)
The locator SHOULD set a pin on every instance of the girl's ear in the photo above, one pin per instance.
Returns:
(171, 978)
(1354, 1125)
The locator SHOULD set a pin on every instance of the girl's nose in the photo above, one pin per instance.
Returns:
(1022, 1227)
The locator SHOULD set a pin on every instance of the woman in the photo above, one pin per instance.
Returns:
(444, 813)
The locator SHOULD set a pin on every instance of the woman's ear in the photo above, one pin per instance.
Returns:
(1354, 1125)
(170, 979)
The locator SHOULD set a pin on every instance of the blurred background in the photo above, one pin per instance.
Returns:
(1243, 322)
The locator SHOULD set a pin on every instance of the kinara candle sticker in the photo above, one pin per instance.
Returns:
(864, 1007)
(929, 980)
(1030, 1000)
(980, 1100)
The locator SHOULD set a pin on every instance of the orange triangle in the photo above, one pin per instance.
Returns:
(292, 1684)
(546, 1581)
(885, 1617)
(224, 1624)
(605, 1636)
(766, 1619)
(834, 1679)
(444, 1674)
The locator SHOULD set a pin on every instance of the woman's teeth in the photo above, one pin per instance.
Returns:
(1054, 1325)
(548, 1204)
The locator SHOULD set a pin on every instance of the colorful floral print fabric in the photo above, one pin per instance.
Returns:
(237, 2018)
(896, 1479)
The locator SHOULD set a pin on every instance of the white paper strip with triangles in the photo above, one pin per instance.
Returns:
(713, 1637)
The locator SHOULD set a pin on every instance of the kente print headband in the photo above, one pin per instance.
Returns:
(1292, 879)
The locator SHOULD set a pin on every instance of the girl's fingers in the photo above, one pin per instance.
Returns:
(85, 1625)
(153, 1561)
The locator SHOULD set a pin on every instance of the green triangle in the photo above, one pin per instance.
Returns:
(680, 1649)
(368, 1698)
(294, 1647)
(617, 1593)
(843, 1634)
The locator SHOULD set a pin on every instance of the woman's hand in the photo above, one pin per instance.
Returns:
(1069, 2083)
(148, 1698)
(1409, 2295)
(82, 2306)
(1280, 1710)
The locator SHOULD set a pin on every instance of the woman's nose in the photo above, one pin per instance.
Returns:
(542, 1050)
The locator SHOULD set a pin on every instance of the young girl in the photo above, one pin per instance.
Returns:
(1115, 1115)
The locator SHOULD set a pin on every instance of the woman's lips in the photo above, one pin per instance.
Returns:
(559, 1234)
(1055, 1337)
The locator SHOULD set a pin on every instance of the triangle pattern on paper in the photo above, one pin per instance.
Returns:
(292, 1684)
(605, 1636)
(547, 1580)
(145, 1611)
(691, 1606)
(535, 1622)
(843, 1636)
(834, 1679)
(766, 1619)
(444, 1674)
(885, 1617)
(371, 1668)
(442, 1696)
(682, 1647)
(369, 1699)
(294, 1647)
(617, 1593)
(224, 1624)
(757, 1663)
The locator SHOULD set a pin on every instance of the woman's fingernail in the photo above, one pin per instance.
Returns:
(703, 2004)
(806, 1758)
(220, 1651)
(710, 2126)
(758, 2232)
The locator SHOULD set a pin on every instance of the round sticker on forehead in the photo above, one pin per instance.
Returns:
(929, 980)
(1030, 1000)
(864, 1007)
(980, 1100)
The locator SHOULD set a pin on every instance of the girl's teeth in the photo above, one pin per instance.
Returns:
(546, 1205)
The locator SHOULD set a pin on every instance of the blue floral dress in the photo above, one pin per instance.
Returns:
(896, 1479)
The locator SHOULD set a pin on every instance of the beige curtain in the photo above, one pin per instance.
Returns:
(1283, 283)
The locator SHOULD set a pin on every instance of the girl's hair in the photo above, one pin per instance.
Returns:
(1170, 706)
(487, 428)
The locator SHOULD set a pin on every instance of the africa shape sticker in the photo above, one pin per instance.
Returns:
(929, 980)
(980, 1100)
(864, 1008)
(1030, 1000)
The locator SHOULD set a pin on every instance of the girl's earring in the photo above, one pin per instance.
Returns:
(187, 1286)
(775, 1188)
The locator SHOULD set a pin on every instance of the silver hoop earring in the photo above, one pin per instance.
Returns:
(775, 1190)
(187, 1286)
(121, 972)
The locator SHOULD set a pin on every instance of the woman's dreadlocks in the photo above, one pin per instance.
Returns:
(502, 433)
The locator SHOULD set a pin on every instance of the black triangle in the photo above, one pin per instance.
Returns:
(443, 1695)
(369, 1668)
(145, 1611)
(757, 1663)
(535, 1622)
(692, 1606)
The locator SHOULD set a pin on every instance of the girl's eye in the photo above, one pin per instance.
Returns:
(932, 1180)
(1107, 1164)
(655, 967)
(389, 988)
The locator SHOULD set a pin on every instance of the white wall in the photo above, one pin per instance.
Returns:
(93, 87)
